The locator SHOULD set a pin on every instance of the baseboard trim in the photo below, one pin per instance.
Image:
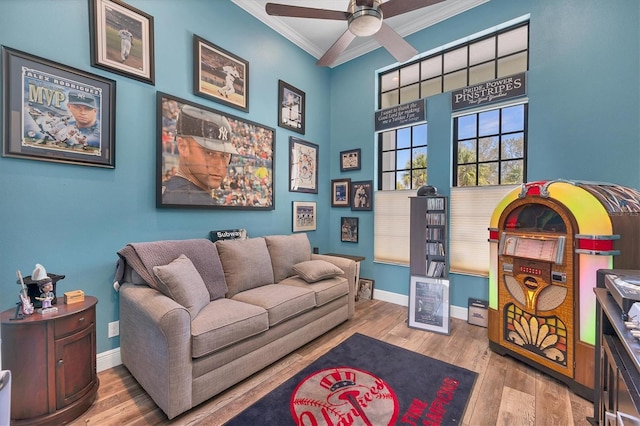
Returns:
(108, 359)
(402, 300)
(111, 358)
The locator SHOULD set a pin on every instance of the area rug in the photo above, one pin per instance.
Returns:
(364, 381)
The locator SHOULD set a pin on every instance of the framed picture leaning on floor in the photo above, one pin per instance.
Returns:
(429, 304)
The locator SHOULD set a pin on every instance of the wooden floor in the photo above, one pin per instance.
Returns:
(507, 392)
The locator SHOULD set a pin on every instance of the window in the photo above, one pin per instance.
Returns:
(489, 161)
(403, 158)
(489, 151)
(489, 147)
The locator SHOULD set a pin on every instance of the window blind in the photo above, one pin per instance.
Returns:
(391, 226)
(470, 215)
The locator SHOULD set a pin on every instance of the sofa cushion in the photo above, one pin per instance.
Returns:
(246, 264)
(182, 282)
(316, 270)
(325, 291)
(281, 301)
(224, 322)
(286, 251)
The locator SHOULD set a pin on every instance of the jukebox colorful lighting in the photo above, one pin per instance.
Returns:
(547, 240)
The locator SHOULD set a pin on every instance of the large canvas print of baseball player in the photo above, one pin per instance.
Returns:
(211, 159)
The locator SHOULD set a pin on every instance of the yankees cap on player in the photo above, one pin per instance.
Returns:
(80, 98)
(211, 131)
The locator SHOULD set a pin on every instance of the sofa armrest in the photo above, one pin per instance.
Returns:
(155, 345)
(349, 268)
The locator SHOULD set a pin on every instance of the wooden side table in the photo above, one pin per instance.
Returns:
(52, 358)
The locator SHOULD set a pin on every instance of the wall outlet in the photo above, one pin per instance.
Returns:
(114, 328)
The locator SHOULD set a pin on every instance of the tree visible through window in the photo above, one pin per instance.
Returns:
(490, 147)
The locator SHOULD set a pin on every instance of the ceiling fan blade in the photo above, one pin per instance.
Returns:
(336, 49)
(396, 45)
(275, 9)
(396, 7)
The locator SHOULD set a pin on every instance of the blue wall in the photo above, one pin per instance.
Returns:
(584, 108)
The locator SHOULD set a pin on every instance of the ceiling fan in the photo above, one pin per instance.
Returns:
(364, 18)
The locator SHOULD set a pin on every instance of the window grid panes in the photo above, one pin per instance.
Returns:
(496, 55)
(502, 53)
(490, 147)
(403, 158)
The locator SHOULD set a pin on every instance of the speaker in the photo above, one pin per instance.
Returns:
(427, 190)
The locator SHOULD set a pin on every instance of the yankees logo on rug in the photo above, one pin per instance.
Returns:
(344, 396)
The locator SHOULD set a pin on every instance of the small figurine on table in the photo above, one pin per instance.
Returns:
(35, 283)
(46, 293)
(46, 296)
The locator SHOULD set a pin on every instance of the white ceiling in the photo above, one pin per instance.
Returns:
(315, 36)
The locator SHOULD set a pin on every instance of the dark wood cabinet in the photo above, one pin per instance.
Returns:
(52, 358)
(617, 389)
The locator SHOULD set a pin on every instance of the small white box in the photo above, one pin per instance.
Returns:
(478, 312)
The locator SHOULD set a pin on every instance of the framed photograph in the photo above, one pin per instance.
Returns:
(303, 166)
(304, 216)
(53, 112)
(210, 159)
(291, 107)
(122, 39)
(365, 289)
(350, 160)
(349, 230)
(340, 190)
(429, 304)
(362, 195)
(220, 75)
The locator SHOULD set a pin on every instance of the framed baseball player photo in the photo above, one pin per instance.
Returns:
(304, 216)
(303, 166)
(350, 160)
(340, 189)
(122, 39)
(56, 113)
(362, 195)
(210, 159)
(291, 107)
(220, 75)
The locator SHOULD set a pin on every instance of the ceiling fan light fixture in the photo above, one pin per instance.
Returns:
(365, 21)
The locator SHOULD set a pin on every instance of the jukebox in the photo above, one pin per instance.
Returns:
(547, 240)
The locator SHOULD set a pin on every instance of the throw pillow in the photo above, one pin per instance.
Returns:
(316, 270)
(182, 282)
(286, 251)
(246, 264)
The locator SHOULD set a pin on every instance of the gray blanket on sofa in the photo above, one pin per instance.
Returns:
(142, 257)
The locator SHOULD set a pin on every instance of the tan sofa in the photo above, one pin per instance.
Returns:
(197, 317)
